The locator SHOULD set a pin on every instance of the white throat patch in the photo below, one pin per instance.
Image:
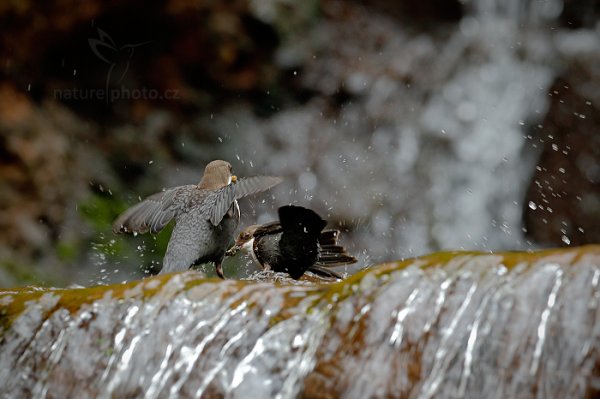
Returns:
(249, 245)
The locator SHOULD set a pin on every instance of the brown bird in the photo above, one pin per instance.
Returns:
(295, 244)
(206, 216)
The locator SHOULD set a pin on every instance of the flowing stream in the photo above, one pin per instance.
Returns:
(461, 325)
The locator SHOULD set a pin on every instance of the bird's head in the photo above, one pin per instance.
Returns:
(217, 174)
(246, 237)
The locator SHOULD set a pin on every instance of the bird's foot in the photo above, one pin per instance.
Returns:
(232, 251)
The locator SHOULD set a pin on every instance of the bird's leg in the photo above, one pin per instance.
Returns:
(219, 270)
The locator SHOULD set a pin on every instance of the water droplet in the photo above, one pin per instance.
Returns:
(532, 205)
(566, 240)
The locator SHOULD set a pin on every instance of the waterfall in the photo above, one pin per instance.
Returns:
(433, 148)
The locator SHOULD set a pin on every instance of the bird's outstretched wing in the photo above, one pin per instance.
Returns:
(217, 203)
(252, 185)
(268, 228)
(300, 222)
(156, 211)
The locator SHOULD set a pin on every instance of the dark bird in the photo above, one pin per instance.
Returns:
(206, 216)
(295, 244)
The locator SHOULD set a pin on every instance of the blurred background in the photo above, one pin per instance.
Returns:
(412, 126)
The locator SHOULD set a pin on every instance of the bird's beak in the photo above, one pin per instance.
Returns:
(233, 178)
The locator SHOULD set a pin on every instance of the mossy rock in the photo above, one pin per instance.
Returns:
(460, 324)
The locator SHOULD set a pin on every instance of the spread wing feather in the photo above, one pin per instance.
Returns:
(253, 185)
(154, 212)
(268, 228)
(217, 203)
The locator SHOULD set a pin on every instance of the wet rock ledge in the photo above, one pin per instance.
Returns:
(457, 324)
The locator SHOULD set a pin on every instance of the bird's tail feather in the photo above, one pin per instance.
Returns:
(337, 257)
(324, 272)
(330, 253)
(329, 237)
